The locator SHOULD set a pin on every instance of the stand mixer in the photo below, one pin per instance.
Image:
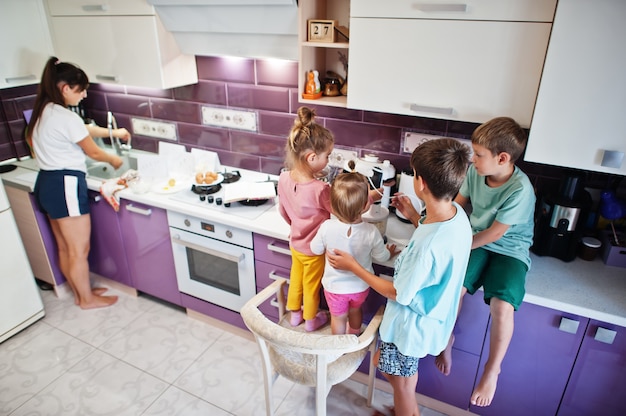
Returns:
(377, 173)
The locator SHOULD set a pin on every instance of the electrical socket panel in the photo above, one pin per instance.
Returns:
(339, 157)
(228, 118)
(154, 128)
(412, 140)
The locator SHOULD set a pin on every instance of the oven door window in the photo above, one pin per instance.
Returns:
(213, 271)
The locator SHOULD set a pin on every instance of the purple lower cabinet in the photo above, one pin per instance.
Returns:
(214, 311)
(149, 250)
(455, 388)
(107, 256)
(49, 241)
(538, 362)
(597, 385)
(265, 275)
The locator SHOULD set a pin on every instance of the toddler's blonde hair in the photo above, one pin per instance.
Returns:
(349, 195)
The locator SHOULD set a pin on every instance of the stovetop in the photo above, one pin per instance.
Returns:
(214, 201)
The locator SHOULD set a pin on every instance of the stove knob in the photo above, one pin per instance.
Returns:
(227, 204)
(202, 197)
(209, 199)
(218, 201)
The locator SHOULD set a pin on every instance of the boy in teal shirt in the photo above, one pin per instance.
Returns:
(502, 203)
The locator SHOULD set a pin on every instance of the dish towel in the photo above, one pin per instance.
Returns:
(111, 187)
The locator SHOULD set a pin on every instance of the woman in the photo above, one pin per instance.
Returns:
(60, 140)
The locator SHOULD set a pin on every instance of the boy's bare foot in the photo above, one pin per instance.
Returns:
(99, 302)
(486, 389)
(444, 359)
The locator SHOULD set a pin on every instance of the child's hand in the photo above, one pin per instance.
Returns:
(403, 204)
(340, 259)
(393, 250)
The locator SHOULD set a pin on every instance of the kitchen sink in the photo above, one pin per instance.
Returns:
(103, 170)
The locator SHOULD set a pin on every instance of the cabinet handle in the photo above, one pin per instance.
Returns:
(95, 7)
(569, 325)
(20, 78)
(605, 335)
(146, 212)
(274, 276)
(430, 109)
(276, 249)
(434, 7)
(208, 251)
(113, 78)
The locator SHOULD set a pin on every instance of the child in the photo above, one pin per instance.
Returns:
(344, 292)
(503, 204)
(304, 202)
(424, 295)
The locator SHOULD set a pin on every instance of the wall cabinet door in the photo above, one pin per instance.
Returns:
(451, 69)
(26, 43)
(107, 256)
(596, 385)
(538, 362)
(149, 250)
(128, 50)
(580, 106)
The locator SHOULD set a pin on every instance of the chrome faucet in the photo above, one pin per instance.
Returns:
(120, 148)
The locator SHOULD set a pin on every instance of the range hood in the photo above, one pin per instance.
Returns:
(244, 28)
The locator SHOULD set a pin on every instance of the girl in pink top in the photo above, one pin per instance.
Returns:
(304, 202)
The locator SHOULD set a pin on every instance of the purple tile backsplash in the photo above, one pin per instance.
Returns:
(267, 87)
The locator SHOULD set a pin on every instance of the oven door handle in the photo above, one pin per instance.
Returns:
(209, 251)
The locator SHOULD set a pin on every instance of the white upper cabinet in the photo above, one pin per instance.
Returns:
(578, 120)
(25, 45)
(468, 62)
(119, 42)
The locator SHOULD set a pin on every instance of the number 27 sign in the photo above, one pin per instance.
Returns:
(322, 30)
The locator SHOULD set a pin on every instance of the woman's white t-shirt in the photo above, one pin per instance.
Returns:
(55, 139)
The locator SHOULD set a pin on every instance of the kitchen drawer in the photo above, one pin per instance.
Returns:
(266, 273)
(272, 250)
(99, 8)
(518, 10)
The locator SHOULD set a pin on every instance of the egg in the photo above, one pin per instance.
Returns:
(171, 182)
(199, 177)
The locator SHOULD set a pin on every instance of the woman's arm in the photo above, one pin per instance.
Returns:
(95, 152)
(344, 261)
(97, 131)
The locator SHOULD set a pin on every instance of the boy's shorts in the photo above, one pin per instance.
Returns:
(340, 304)
(500, 276)
(62, 193)
(393, 362)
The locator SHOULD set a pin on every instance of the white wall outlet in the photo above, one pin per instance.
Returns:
(232, 119)
(340, 156)
(154, 128)
(412, 140)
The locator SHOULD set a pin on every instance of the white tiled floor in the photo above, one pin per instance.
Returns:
(143, 357)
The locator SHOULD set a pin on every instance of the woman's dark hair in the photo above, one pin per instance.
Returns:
(55, 74)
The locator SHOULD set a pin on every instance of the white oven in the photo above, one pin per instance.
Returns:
(214, 262)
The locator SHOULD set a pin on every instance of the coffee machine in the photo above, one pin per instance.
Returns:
(560, 219)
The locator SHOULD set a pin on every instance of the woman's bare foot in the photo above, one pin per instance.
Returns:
(99, 302)
(97, 291)
(444, 359)
(486, 389)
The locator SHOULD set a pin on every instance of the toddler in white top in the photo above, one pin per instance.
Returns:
(344, 291)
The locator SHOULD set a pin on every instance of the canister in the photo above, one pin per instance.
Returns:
(589, 248)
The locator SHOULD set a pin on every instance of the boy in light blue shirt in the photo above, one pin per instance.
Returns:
(424, 295)
(502, 210)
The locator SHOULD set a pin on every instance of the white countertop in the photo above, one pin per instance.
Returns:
(589, 289)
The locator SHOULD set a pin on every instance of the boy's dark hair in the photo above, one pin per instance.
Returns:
(501, 134)
(442, 164)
